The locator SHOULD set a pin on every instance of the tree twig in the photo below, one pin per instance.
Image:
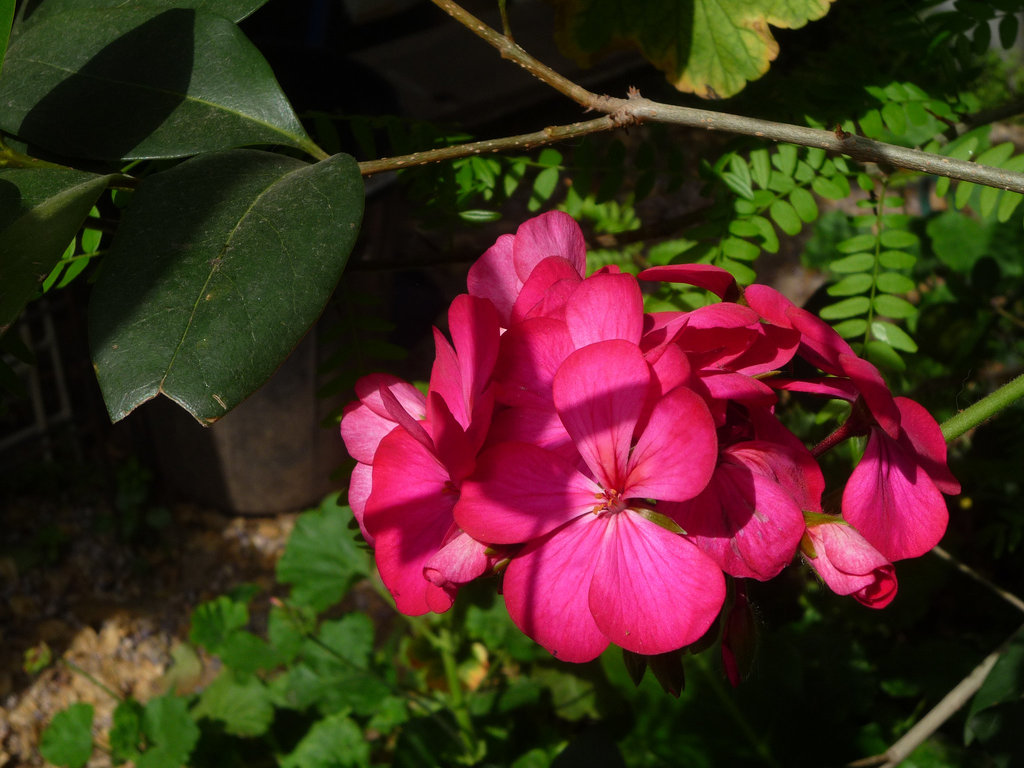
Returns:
(636, 109)
(939, 714)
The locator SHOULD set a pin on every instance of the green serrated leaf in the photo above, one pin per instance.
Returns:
(334, 742)
(710, 47)
(41, 209)
(856, 305)
(851, 285)
(143, 82)
(894, 282)
(171, 732)
(321, 561)
(215, 621)
(67, 740)
(895, 307)
(857, 262)
(218, 269)
(241, 702)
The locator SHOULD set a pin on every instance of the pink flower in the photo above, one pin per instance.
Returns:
(599, 564)
(418, 466)
(500, 274)
(847, 563)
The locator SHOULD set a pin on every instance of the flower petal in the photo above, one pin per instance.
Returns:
(892, 501)
(603, 307)
(676, 455)
(520, 492)
(599, 392)
(408, 513)
(493, 276)
(653, 591)
(715, 279)
(551, 234)
(546, 590)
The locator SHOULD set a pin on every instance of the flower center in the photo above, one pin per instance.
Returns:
(608, 502)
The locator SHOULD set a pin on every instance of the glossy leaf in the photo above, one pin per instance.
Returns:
(219, 268)
(893, 335)
(41, 209)
(142, 83)
(708, 47)
(235, 10)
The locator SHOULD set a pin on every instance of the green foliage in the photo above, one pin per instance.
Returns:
(322, 559)
(269, 245)
(142, 82)
(67, 740)
(710, 48)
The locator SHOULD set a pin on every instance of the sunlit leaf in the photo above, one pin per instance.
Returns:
(708, 47)
(851, 307)
(219, 268)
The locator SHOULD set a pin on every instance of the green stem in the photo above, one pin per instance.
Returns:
(759, 745)
(983, 410)
(446, 646)
(92, 679)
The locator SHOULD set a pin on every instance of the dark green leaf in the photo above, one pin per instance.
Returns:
(241, 702)
(1004, 684)
(235, 10)
(6, 19)
(220, 266)
(67, 740)
(321, 560)
(1009, 27)
(957, 240)
(334, 742)
(142, 82)
(40, 212)
(851, 307)
(126, 731)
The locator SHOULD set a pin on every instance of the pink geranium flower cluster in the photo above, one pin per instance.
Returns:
(616, 466)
